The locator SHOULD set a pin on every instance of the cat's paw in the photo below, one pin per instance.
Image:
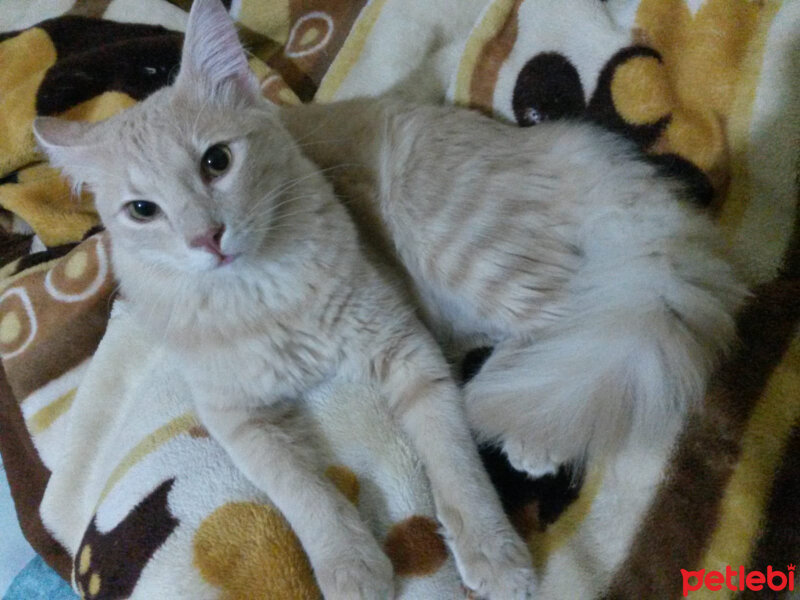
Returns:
(359, 570)
(530, 458)
(497, 567)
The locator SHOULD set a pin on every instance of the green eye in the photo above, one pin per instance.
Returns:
(215, 161)
(143, 210)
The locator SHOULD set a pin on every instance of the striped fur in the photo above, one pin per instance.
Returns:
(607, 296)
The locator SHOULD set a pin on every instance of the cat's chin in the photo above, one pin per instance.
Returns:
(224, 262)
(221, 263)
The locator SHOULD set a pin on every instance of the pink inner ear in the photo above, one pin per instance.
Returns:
(51, 132)
(212, 50)
(72, 146)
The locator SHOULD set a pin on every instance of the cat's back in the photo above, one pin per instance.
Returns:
(506, 217)
(439, 149)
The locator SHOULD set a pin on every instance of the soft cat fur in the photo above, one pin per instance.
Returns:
(279, 301)
(605, 294)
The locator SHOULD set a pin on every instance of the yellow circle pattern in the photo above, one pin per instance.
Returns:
(641, 91)
(345, 480)
(10, 328)
(249, 552)
(94, 584)
(85, 560)
(76, 265)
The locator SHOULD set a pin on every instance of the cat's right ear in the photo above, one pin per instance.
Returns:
(213, 62)
(67, 145)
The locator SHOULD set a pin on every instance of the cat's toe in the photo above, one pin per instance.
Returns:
(517, 584)
(498, 566)
(355, 573)
(530, 458)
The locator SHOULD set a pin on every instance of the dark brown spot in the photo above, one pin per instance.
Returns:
(198, 431)
(526, 519)
(415, 547)
(13, 246)
(118, 557)
(548, 87)
(96, 56)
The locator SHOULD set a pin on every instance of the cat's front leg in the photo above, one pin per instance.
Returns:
(348, 563)
(491, 557)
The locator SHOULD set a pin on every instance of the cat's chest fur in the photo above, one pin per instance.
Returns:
(260, 347)
(268, 337)
(284, 355)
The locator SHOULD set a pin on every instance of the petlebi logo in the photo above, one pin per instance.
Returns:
(738, 580)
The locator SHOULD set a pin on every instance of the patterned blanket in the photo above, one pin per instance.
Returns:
(122, 491)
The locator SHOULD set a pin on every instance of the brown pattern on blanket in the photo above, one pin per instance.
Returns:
(27, 477)
(55, 317)
(49, 337)
(687, 509)
(108, 564)
(318, 30)
(95, 57)
(88, 68)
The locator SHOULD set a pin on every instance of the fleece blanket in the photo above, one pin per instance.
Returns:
(124, 494)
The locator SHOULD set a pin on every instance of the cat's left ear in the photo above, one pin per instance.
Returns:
(213, 61)
(68, 145)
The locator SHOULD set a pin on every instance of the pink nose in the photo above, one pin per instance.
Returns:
(210, 241)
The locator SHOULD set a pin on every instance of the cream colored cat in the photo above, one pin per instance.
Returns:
(607, 296)
(231, 245)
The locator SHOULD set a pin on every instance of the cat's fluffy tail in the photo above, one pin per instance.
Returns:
(647, 317)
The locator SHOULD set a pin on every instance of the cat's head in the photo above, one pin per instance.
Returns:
(199, 175)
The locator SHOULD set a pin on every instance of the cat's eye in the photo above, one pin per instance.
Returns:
(143, 210)
(215, 161)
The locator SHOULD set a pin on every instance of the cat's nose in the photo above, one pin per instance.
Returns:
(210, 240)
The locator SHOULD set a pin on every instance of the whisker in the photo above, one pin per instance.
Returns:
(268, 211)
(287, 185)
(280, 223)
